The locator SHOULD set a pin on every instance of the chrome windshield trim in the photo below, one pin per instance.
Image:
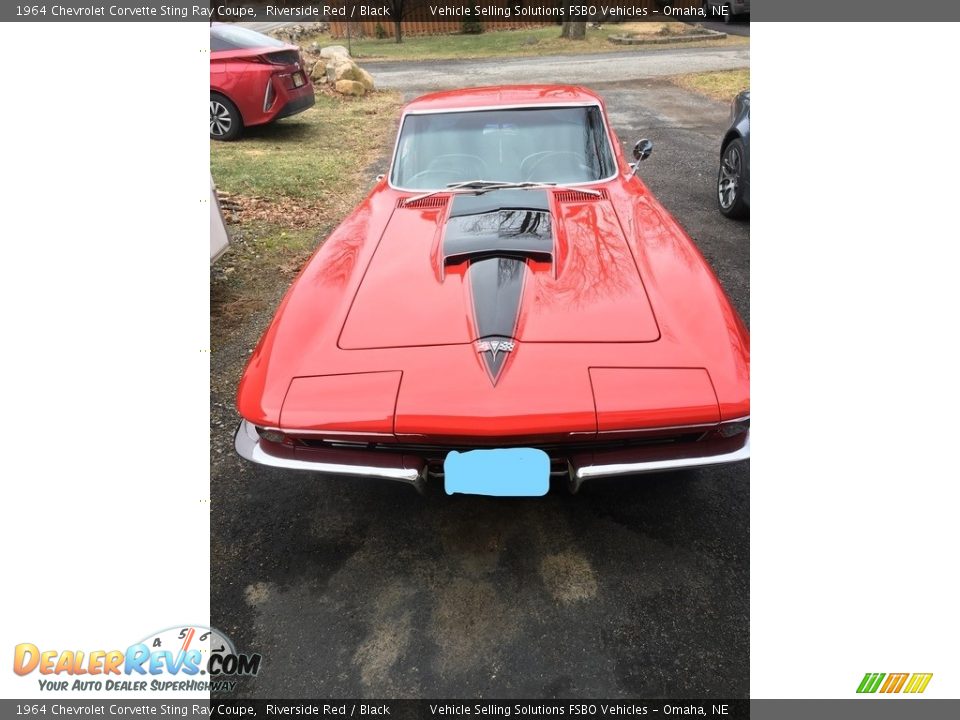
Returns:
(487, 108)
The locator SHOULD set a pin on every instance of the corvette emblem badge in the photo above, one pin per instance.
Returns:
(494, 346)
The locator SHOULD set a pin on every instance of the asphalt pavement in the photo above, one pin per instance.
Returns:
(737, 26)
(632, 588)
(427, 75)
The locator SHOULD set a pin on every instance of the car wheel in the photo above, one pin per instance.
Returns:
(730, 180)
(225, 120)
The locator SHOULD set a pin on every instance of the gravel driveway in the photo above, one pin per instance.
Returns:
(633, 588)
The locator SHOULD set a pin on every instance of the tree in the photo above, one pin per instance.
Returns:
(398, 8)
(572, 30)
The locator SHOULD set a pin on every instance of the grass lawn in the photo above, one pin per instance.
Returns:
(285, 186)
(509, 43)
(723, 85)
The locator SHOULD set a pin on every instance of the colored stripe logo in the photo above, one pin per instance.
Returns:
(894, 682)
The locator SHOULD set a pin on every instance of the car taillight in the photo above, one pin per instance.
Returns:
(268, 95)
(283, 57)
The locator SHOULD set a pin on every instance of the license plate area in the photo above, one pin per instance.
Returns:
(508, 472)
(299, 80)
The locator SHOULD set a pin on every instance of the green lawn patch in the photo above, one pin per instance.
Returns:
(501, 43)
(723, 85)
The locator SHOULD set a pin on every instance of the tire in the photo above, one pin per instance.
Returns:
(225, 120)
(730, 180)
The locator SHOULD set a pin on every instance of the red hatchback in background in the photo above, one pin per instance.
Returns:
(254, 79)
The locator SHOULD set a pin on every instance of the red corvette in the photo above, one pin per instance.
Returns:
(254, 79)
(510, 302)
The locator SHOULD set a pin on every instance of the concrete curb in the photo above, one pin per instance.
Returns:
(664, 39)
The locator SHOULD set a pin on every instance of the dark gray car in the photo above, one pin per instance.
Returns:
(726, 10)
(733, 180)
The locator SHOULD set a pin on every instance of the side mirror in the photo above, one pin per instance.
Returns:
(642, 150)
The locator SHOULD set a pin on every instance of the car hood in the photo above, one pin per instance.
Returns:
(531, 266)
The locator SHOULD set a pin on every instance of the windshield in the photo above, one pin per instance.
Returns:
(552, 145)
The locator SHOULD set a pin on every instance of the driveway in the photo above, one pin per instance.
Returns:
(737, 26)
(632, 588)
(427, 75)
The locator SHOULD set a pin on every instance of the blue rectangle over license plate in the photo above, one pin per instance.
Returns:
(508, 472)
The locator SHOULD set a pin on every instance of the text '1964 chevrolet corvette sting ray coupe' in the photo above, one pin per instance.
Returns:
(509, 303)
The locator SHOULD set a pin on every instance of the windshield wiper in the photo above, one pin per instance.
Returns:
(478, 187)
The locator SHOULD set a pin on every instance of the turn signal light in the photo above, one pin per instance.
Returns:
(729, 429)
(271, 435)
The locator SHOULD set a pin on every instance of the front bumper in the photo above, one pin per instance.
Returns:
(358, 463)
(413, 470)
(635, 461)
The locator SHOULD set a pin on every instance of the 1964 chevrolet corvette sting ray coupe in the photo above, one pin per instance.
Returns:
(510, 292)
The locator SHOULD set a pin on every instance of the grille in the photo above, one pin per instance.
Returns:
(554, 450)
(576, 196)
(434, 201)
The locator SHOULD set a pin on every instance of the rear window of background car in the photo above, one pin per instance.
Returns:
(231, 37)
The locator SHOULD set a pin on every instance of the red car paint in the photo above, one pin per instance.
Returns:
(259, 77)
(626, 332)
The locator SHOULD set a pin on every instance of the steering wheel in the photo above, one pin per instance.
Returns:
(443, 176)
(458, 162)
(531, 162)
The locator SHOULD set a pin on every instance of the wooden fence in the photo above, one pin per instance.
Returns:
(421, 27)
(418, 20)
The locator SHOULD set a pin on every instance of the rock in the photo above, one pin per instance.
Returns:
(341, 68)
(319, 71)
(366, 79)
(349, 87)
(334, 50)
(347, 71)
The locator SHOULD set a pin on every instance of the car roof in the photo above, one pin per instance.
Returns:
(504, 95)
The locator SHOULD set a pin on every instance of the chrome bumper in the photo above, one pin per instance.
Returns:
(413, 470)
(635, 461)
(402, 468)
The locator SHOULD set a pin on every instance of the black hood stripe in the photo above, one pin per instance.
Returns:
(496, 233)
(496, 286)
(494, 200)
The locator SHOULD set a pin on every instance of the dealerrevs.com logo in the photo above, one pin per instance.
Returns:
(911, 683)
(190, 658)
